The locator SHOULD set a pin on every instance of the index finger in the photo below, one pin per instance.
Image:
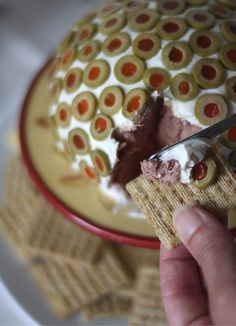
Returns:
(181, 287)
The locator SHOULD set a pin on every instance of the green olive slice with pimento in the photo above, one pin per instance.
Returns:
(101, 126)
(171, 28)
(89, 51)
(79, 141)
(204, 173)
(116, 44)
(63, 115)
(205, 43)
(210, 109)
(111, 100)
(143, 20)
(146, 45)
(89, 171)
(101, 162)
(134, 102)
(183, 87)
(129, 69)
(209, 73)
(96, 73)
(176, 55)
(84, 106)
(156, 78)
(72, 80)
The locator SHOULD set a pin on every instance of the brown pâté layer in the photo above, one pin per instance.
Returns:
(159, 200)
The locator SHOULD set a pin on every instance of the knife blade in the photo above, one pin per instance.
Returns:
(207, 133)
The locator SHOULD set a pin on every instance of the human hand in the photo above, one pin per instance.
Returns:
(198, 278)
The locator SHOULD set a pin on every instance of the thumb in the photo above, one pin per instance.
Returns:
(214, 249)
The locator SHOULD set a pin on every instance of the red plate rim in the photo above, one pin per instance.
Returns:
(79, 219)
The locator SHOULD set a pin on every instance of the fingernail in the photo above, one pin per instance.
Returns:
(186, 221)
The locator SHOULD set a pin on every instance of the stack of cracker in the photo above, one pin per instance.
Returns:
(77, 271)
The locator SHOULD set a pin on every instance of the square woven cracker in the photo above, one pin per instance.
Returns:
(20, 205)
(69, 286)
(147, 305)
(17, 182)
(133, 257)
(158, 200)
(52, 234)
(111, 305)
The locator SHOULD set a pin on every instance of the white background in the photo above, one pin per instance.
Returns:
(29, 32)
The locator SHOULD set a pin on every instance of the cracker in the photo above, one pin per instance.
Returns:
(134, 258)
(111, 305)
(17, 182)
(69, 286)
(21, 202)
(147, 306)
(17, 216)
(158, 200)
(52, 234)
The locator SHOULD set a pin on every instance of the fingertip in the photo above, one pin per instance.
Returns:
(186, 221)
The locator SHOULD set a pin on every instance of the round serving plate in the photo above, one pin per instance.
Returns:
(76, 199)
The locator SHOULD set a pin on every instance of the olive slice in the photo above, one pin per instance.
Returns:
(219, 12)
(156, 78)
(84, 106)
(88, 171)
(116, 44)
(210, 109)
(143, 20)
(204, 43)
(131, 6)
(72, 80)
(171, 7)
(129, 69)
(67, 58)
(196, 2)
(230, 88)
(171, 28)
(101, 162)
(85, 32)
(107, 9)
(228, 30)
(101, 126)
(228, 138)
(67, 42)
(200, 19)
(89, 51)
(228, 56)
(209, 73)
(134, 102)
(79, 141)
(63, 115)
(176, 55)
(112, 24)
(228, 3)
(55, 88)
(204, 173)
(146, 45)
(111, 100)
(96, 73)
(184, 88)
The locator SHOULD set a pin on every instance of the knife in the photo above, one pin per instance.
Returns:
(207, 133)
